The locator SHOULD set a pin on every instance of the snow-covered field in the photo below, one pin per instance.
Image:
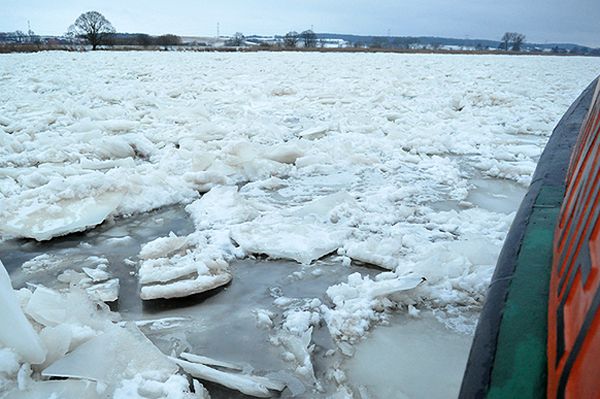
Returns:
(412, 164)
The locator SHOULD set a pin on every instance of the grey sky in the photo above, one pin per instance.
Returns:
(541, 21)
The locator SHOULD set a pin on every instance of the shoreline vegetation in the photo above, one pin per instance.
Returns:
(34, 48)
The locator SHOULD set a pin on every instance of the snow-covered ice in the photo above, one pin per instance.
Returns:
(393, 167)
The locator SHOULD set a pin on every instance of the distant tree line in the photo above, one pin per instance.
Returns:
(19, 37)
(97, 30)
(385, 42)
(306, 39)
(141, 39)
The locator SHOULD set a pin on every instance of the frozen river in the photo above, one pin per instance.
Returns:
(327, 221)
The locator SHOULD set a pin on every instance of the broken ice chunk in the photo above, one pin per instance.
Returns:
(207, 361)
(321, 208)
(97, 275)
(9, 364)
(302, 234)
(184, 288)
(293, 238)
(298, 345)
(51, 308)
(42, 222)
(285, 153)
(357, 303)
(99, 286)
(181, 276)
(163, 247)
(221, 205)
(118, 354)
(164, 323)
(63, 260)
(378, 251)
(107, 291)
(248, 384)
(264, 318)
(314, 132)
(165, 270)
(16, 332)
(57, 340)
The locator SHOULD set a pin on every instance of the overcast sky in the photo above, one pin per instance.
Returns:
(575, 21)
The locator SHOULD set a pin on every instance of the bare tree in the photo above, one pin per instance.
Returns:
(93, 26)
(505, 41)
(291, 39)
(512, 40)
(517, 41)
(309, 38)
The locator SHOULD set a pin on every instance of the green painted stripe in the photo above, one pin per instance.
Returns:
(520, 364)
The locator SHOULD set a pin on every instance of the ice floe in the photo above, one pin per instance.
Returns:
(177, 266)
(42, 221)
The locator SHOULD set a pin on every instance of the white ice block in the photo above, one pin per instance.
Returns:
(64, 217)
(16, 332)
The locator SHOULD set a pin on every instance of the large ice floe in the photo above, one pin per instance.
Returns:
(254, 220)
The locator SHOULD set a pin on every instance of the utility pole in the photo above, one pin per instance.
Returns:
(218, 33)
